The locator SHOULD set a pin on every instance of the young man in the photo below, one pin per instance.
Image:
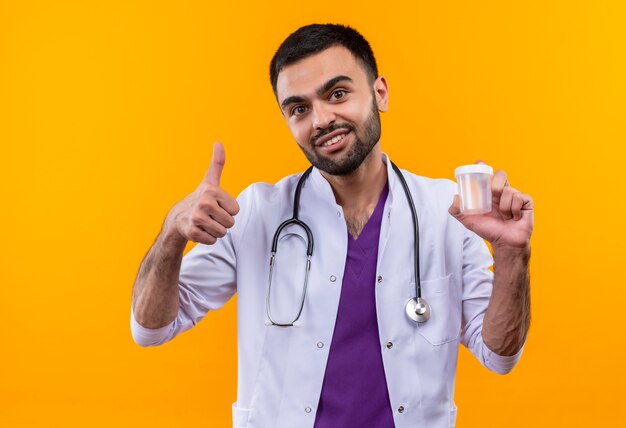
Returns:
(336, 346)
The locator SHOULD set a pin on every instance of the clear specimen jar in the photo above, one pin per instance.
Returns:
(474, 188)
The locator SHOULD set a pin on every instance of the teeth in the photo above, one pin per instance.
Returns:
(333, 140)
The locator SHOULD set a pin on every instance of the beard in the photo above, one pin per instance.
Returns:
(362, 146)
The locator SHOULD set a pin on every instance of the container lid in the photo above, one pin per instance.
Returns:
(476, 168)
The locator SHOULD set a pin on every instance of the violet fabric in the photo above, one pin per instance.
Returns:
(354, 392)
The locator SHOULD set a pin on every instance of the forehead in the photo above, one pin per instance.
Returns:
(308, 74)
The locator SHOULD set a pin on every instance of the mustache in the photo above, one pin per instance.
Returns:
(330, 129)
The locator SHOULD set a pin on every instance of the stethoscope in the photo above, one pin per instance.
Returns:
(416, 308)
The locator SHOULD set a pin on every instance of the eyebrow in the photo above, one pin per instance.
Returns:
(320, 91)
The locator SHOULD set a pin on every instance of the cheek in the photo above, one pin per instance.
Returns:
(300, 130)
(354, 112)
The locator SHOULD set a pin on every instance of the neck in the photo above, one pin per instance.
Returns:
(358, 192)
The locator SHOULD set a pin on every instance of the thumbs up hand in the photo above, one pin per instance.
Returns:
(207, 213)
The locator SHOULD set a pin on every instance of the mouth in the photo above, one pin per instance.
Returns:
(332, 138)
(335, 144)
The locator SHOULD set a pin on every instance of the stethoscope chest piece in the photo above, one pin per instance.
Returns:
(418, 310)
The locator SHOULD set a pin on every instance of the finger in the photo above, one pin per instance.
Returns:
(455, 211)
(506, 202)
(480, 162)
(199, 235)
(228, 203)
(528, 202)
(516, 205)
(498, 182)
(222, 217)
(213, 196)
(209, 225)
(455, 208)
(214, 172)
(211, 207)
(528, 208)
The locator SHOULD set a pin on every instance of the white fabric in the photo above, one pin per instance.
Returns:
(281, 369)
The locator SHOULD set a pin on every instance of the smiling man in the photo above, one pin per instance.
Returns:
(331, 104)
(326, 330)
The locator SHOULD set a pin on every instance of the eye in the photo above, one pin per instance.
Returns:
(298, 110)
(338, 94)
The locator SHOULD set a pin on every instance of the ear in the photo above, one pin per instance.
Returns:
(381, 90)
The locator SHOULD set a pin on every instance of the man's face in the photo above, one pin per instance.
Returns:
(332, 109)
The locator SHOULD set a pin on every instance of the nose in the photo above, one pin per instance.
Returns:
(323, 116)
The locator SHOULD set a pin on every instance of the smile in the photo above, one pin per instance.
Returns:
(334, 139)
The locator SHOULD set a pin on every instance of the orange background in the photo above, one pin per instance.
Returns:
(108, 112)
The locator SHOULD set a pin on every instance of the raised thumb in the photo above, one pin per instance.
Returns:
(214, 172)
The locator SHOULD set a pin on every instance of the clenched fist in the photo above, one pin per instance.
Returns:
(207, 213)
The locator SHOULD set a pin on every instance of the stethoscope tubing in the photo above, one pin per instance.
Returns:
(417, 308)
(416, 232)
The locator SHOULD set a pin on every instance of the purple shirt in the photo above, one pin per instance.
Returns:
(354, 392)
